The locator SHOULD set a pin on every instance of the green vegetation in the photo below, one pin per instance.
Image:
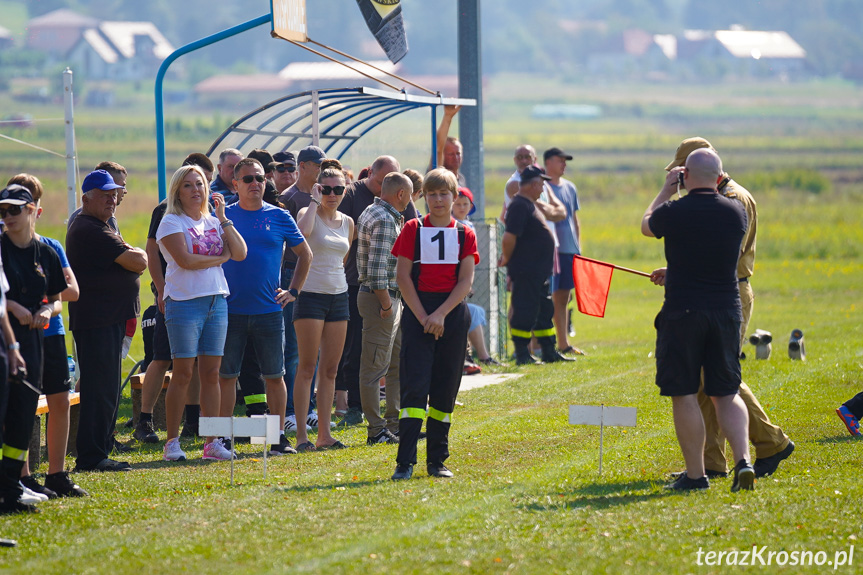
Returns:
(527, 497)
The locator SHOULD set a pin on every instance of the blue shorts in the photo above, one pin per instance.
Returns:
(266, 331)
(326, 307)
(477, 316)
(563, 280)
(197, 326)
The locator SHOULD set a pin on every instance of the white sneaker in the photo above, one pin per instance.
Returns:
(216, 450)
(291, 424)
(312, 421)
(30, 497)
(173, 451)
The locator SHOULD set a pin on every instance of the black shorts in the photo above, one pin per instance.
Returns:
(688, 341)
(161, 343)
(55, 371)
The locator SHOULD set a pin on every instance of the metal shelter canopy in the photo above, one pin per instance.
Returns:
(332, 119)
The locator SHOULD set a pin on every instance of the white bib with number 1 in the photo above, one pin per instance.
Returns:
(438, 245)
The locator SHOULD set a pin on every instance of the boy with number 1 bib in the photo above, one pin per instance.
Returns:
(436, 259)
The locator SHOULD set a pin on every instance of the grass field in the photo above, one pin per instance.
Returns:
(527, 497)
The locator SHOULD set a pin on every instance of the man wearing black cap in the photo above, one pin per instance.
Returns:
(284, 169)
(108, 271)
(527, 250)
(568, 231)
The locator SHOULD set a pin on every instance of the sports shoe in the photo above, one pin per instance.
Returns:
(17, 506)
(744, 477)
(283, 447)
(30, 497)
(63, 485)
(554, 356)
(403, 471)
(851, 422)
(312, 420)
(121, 447)
(291, 424)
(216, 450)
(438, 470)
(685, 483)
(767, 465)
(173, 451)
(710, 473)
(30, 483)
(145, 432)
(385, 436)
(471, 369)
(354, 416)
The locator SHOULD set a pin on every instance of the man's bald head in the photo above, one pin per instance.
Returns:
(703, 168)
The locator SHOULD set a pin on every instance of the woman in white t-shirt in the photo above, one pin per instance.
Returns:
(195, 244)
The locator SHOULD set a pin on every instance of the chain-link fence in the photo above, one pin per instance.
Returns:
(489, 285)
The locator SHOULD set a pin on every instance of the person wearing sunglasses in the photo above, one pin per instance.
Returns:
(294, 199)
(321, 310)
(284, 169)
(36, 280)
(195, 244)
(256, 299)
(55, 371)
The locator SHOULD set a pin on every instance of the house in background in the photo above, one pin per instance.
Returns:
(743, 52)
(99, 50)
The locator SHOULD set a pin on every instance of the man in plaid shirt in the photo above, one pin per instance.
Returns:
(379, 304)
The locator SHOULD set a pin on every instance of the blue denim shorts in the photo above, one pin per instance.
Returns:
(266, 331)
(197, 326)
(563, 280)
(477, 316)
(322, 306)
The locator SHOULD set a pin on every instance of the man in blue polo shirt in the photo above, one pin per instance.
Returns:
(256, 300)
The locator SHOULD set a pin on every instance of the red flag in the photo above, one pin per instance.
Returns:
(592, 282)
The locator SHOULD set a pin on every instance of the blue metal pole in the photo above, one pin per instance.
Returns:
(163, 69)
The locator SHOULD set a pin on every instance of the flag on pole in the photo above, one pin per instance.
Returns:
(592, 281)
(384, 19)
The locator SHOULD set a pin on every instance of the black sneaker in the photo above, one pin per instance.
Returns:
(63, 485)
(145, 432)
(106, 465)
(555, 356)
(15, 506)
(684, 483)
(283, 447)
(121, 448)
(403, 471)
(710, 473)
(385, 436)
(767, 465)
(30, 483)
(744, 477)
(438, 470)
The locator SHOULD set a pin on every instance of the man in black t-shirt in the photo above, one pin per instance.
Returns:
(698, 327)
(108, 271)
(527, 250)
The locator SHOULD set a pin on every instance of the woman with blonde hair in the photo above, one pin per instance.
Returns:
(195, 244)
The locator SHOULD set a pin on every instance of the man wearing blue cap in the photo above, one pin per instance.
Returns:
(108, 271)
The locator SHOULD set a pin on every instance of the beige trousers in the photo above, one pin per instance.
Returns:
(382, 345)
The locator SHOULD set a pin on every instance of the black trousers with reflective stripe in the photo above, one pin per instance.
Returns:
(430, 373)
(532, 307)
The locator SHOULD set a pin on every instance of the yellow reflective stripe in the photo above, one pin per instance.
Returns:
(259, 398)
(520, 333)
(412, 412)
(440, 415)
(543, 332)
(10, 452)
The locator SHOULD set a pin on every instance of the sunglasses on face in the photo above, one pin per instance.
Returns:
(13, 211)
(337, 190)
(256, 178)
(283, 169)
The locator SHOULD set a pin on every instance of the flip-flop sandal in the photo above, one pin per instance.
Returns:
(571, 349)
(336, 445)
(304, 447)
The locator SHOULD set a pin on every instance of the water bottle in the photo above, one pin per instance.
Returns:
(73, 372)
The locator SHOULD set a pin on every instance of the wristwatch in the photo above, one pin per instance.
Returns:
(294, 293)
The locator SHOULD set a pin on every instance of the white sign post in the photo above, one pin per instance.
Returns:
(601, 415)
(261, 429)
